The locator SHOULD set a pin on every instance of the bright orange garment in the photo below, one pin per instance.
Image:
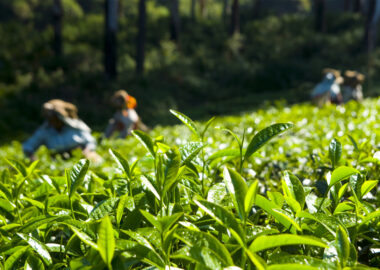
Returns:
(131, 102)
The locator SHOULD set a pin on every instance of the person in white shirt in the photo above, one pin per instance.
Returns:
(61, 132)
(125, 119)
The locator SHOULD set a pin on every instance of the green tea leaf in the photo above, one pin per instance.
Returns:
(368, 186)
(207, 125)
(120, 208)
(33, 263)
(256, 260)
(171, 169)
(343, 245)
(106, 241)
(187, 121)
(189, 151)
(295, 188)
(145, 180)
(341, 173)
(201, 239)
(263, 136)
(84, 237)
(291, 266)
(146, 141)
(18, 166)
(271, 241)
(223, 217)
(121, 162)
(9, 263)
(77, 174)
(273, 210)
(335, 152)
(250, 197)
(229, 152)
(238, 188)
(153, 220)
(39, 247)
(167, 222)
(104, 208)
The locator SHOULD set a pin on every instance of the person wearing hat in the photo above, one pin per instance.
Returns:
(62, 131)
(328, 91)
(352, 86)
(126, 118)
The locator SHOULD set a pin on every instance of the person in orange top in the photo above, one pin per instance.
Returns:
(125, 119)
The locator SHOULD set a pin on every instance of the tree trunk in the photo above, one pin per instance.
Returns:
(203, 8)
(358, 6)
(225, 11)
(346, 6)
(57, 22)
(235, 17)
(111, 7)
(174, 20)
(371, 24)
(192, 9)
(256, 9)
(320, 15)
(140, 50)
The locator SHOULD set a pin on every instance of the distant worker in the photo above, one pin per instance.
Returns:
(62, 132)
(328, 91)
(125, 119)
(352, 86)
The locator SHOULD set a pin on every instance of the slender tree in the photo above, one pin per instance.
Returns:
(140, 55)
(225, 11)
(346, 5)
(193, 4)
(256, 8)
(57, 25)
(320, 15)
(174, 20)
(235, 17)
(111, 7)
(203, 8)
(358, 6)
(373, 15)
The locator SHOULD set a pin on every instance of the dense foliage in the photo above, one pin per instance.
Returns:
(281, 188)
(207, 72)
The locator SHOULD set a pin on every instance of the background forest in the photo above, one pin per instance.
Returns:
(202, 57)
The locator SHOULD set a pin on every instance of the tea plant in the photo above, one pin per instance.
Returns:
(233, 193)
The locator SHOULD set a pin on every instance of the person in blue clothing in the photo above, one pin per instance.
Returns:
(61, 132)
(328, 91)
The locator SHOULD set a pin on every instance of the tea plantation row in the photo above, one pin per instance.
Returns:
(281, 188)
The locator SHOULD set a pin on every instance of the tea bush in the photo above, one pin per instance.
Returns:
(280, 188)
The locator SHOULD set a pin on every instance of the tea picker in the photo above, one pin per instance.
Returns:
(328, 91)
(125, 118)
(62, 132)
(352, 86)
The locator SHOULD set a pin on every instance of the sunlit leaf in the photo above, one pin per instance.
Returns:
(271, 241)
(335, 152)
(145, 140)
(106, 241)
(187, 121)
(238, 188)
(39, 247)
(263, 136)
(77, 174)
(341, 173)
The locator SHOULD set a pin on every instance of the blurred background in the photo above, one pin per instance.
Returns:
(201, 57)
